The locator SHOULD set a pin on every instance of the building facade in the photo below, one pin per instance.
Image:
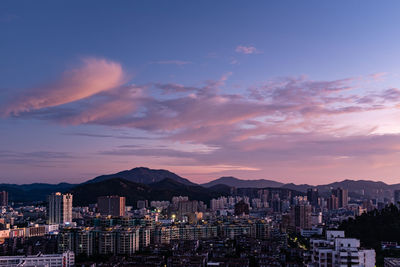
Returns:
(3, 198)
(111, 205)
(337, 251)
(66, 259)
(300, 217)
(60, 208)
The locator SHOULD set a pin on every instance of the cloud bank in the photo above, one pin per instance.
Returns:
(284, 125)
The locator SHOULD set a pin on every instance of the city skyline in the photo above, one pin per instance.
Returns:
(203, 89)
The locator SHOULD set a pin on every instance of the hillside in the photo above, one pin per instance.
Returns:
(33, 192)
(297, 187)
(369, 188)
(143, 175)
(87, 193)
(235, 182)
(357, 188)
(374, 227)
(164, 179)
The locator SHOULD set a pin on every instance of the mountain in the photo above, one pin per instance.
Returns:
(357, 188)
(235, 182)
(297, 187)
(33, 192)
(143, 175)
(354, 185)
(168, 188)
(88, 193)
(165, 189)
(362, 187)
(145, 183)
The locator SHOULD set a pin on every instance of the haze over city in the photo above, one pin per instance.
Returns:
(293, 91)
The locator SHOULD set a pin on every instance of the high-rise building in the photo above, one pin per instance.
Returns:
(332, 203)
(3, 198)
(187, 207)
(342, 195)
(312, 196)
(111, 205)
(60, 208)
(276, 203)
(219, 204)
(396, 196)
(300, 217)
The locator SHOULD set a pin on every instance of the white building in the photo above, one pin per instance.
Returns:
(218, 204)
(60, 208)
(338, 251)
(52, 228)
(66, 259)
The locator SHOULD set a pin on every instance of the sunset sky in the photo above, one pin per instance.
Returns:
(294, 91)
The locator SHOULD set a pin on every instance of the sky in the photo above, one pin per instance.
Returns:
(293, 91)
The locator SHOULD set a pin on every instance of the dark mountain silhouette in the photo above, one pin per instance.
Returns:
(235, 182)
(356, 187)
(87, 193)
(165, 184)
(143, 175)
(33, 192)
(297, 187)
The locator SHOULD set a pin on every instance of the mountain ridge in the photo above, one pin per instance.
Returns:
(87, 193)
(142, 175)
(38, 191)
(236, 182)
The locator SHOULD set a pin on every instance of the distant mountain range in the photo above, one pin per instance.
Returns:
(145, 183)
(356, 187)
(235, 182)
(33, 192)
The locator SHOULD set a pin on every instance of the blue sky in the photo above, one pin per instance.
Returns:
(219, 53)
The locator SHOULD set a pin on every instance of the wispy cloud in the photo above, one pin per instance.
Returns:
(378, 76)
(117, 136)
(93, 77)
(234, 62)
(34, 157)
(246, 50)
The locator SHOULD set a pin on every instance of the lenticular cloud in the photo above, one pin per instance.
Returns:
(92, 77)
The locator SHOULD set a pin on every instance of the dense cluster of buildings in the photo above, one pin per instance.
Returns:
(259, 227)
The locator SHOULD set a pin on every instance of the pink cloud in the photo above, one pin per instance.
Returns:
(92, 77)
(290, 121)
(205, 115)
(108, 106)
(378, 76)
(246, 49)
